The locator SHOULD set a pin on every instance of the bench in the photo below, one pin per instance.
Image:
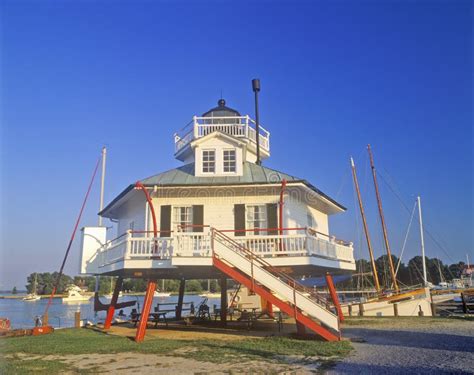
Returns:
(154, 317)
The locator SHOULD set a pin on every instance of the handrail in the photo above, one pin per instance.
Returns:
(289, 280)
(190, 131)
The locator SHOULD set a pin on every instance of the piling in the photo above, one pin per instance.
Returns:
(361, 309)
(420, 313)
(77, 319)
(395, 309)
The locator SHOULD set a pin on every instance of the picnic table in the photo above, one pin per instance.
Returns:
(154, 317)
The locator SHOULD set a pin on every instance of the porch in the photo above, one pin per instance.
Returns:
(293, 247)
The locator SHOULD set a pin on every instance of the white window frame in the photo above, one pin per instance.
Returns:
(231, 162)
(183, 218)
(256, 219)
(207, 163)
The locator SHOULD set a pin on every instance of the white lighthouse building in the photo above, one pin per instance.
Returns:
(222, 213)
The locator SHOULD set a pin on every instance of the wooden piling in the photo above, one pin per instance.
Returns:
(223, 285)
(77, 319)
(361, 309)
(179, 307)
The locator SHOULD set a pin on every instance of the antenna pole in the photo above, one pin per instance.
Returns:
(382, 219)
(425, 280)
(366, 228)
(102, 183)
(256, 90)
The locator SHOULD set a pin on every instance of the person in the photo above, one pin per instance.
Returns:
(121, 313)
(38, 322)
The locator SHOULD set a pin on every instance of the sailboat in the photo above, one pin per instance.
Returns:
(33, 296)
(391, 301)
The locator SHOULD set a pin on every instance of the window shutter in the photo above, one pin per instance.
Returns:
(198, 218)
(272, 217)
(165, 221)
(239, 219)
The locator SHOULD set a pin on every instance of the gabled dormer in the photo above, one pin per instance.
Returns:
(220, 141)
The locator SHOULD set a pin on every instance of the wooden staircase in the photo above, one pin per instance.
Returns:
(305, 306)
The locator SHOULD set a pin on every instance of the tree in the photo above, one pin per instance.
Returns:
(193, 286)
(14, 291)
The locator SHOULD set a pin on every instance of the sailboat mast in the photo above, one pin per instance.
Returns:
(425, 280)
(366, 228)
(102, 184)
(382, 219)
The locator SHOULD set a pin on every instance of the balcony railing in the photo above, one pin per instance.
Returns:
(142, 245)
(238, 126)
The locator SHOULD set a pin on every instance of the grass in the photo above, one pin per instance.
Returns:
(85, 341)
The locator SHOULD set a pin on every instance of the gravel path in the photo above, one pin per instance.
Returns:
(417, 346)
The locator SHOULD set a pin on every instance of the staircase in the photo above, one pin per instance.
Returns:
(241, 264)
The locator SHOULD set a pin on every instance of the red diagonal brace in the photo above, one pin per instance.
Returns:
(334, 297)
(150, 290)
(113, 303)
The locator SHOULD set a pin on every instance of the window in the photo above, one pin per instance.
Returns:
(183, 218)
(229, 161)
(208, 161)
(256, 218)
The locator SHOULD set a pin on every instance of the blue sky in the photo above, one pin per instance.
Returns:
(335, 76)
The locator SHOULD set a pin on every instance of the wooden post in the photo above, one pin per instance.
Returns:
(113, 303)
(361, 309)
(464, 303)
(349, 307)
(433, 309)
(45, 319)
(395, 309)
(77, 319)
(179, 307)
(223, 285)
(150, 291)
(420, 313)
(300, 329)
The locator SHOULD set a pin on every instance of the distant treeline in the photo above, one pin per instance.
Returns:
(408, 274)
(45, 283)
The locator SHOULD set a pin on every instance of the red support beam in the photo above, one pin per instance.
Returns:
(142, 324)
(283, 306)
(223, 312)
(113, 303)
(334, 297)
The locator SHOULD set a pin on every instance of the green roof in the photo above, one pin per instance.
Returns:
(253, 174)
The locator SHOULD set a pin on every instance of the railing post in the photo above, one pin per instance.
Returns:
(195, 127)
(247, 126)
(128, 244)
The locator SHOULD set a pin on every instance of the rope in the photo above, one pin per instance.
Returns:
(58, 278)
(426, 224)
(406, 237)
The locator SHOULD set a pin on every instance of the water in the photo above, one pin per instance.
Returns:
(61, 314)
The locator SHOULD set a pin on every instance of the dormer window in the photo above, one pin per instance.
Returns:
(230, 161)
(208, 161)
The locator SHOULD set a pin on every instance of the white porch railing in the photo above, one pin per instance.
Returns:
(198, 244)
(238, 126)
